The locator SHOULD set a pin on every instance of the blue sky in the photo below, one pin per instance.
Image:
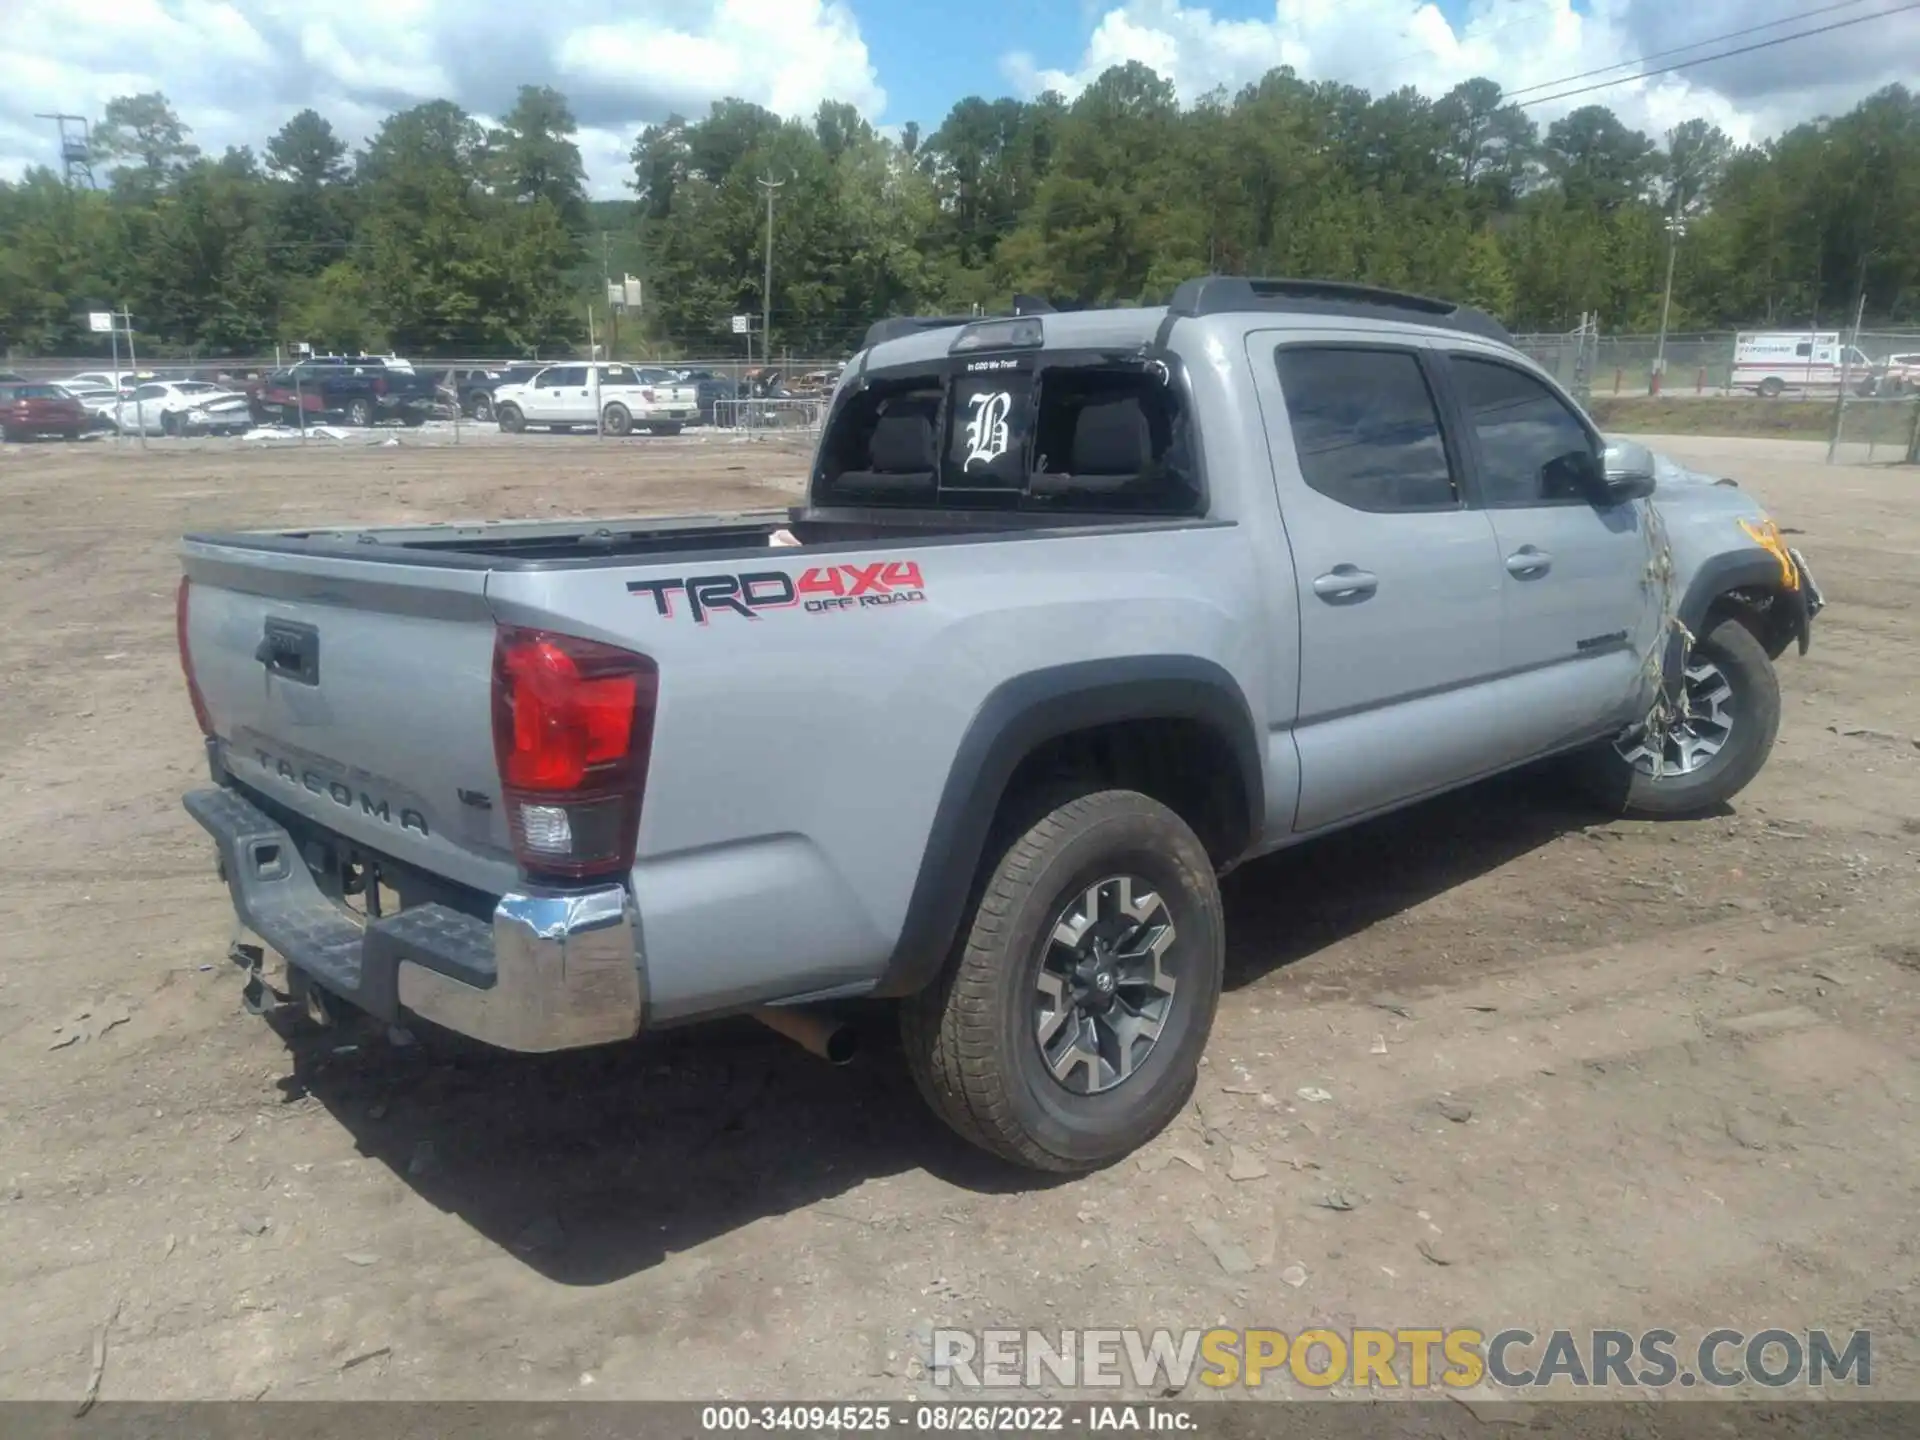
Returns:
(926, 63)
(236, 70)
(928, 58)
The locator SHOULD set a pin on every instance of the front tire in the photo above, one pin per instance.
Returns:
(1067, 1029)
(511, 419)
(483, 407)
(360, 414)
(1710, 753)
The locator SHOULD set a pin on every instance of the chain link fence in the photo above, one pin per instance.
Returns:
(786, 399)
(1701, 364)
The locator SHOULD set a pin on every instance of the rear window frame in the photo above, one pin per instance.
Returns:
(945, 371)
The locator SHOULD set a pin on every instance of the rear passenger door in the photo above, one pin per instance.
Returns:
(1398, 579)
(1577, 613)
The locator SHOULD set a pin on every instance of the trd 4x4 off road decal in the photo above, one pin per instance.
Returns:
(821, 590)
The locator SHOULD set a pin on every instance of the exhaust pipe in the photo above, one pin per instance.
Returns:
(827, 1036)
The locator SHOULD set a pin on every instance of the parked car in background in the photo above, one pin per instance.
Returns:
(183, 407)
(817, 383)
(110, 379)
(29, 409)
(99, 401)
(563, 397)
(710, 390)
(362, 390)
(1901, 373)
(673, 401)
(476, 388)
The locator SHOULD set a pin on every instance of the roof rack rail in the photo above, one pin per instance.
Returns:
(896, 326)
(1226, 294)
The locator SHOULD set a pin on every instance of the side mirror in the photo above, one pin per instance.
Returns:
(1626, 472)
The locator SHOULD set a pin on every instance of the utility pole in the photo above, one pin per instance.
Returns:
(1676, 227)
(606, 289)
(770, 185)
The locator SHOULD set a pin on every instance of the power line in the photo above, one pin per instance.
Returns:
(1722, 55)
(1690, 45)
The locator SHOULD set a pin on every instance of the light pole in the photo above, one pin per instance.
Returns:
(1676, 227)
(766, 290)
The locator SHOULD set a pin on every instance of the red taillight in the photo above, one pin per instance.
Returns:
(180, 607)
(572, 730)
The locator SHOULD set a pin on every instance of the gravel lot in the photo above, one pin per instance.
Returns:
(1678, 1061)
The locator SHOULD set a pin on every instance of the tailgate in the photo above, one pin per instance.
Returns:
(358, 694)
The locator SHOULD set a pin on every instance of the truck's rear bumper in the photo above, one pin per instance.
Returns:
(552, 970)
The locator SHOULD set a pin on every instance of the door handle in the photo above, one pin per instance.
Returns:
(1345, 582)
(1527, 562)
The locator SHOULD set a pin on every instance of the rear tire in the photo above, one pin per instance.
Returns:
(1772, 387)
(360, 414)
(483, 408)
(511, 420)
(617, 419)
(1124, 870)
(171, 424)
(1751, 711)
(665, 427)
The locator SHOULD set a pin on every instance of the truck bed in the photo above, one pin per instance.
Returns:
(510, 545)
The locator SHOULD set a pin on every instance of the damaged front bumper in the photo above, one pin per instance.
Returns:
(550, 970)
(1812, 602)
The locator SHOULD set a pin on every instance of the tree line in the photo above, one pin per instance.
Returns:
(443, 235)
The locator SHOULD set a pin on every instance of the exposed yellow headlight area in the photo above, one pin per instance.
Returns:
(1767, 536)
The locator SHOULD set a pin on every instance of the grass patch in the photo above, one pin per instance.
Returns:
(1878, 422)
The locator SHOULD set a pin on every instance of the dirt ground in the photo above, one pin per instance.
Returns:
(1678, 1061)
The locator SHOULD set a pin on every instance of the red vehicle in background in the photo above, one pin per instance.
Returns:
(28, 409)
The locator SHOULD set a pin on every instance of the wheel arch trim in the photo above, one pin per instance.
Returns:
(1753, 569)
(1016, 718)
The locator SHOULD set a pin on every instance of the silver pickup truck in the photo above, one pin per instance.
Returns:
(1080, 611)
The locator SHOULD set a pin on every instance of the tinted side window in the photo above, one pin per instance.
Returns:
(561, 377)
(1804, 348)
(1533, 449)
(1365, 428)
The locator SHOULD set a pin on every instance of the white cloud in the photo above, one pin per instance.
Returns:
(1383, 44)
(237, 71)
